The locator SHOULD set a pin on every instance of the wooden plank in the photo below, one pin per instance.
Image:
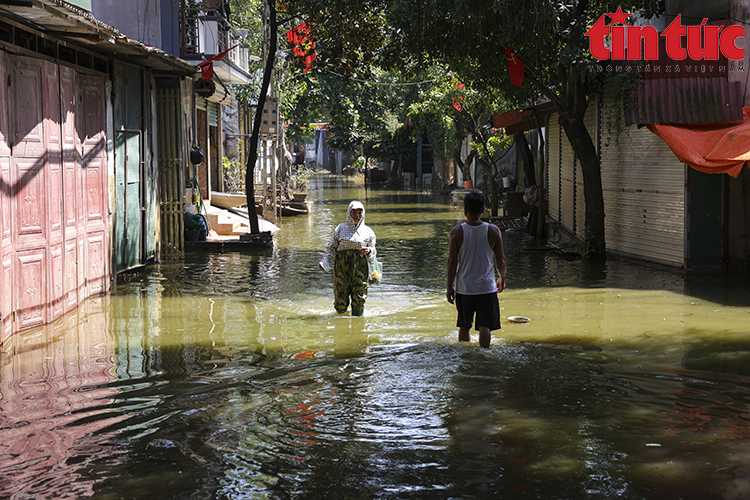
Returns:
(96, 261)
(7, 295)
(72, 286)
(27, 115)
(72, 192)
(6, 206)
(7, 299)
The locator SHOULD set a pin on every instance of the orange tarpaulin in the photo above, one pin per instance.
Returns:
(713, 148)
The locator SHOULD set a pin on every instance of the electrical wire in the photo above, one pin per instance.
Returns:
(383, 83)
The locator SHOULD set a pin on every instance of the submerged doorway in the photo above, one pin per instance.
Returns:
(133, 232)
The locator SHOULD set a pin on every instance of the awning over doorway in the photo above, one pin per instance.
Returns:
(521, 120)
(714, 148)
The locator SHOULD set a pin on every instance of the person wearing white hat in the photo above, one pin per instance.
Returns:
(349, 253)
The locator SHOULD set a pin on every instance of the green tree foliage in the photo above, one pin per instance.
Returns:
(356, 40)
(361, 102)
(549, 37)
(449, 111)
(433, 113)
(361, 114)
(348, 35)
(248, 15)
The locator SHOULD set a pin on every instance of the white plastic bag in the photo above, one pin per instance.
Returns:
(376, 272)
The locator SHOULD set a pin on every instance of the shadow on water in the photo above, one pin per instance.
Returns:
(229, 376)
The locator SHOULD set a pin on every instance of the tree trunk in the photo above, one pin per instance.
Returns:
(495, 197)
(252, 157)
(571, 106)
(583, 147)
(463, 165)
(490, 177)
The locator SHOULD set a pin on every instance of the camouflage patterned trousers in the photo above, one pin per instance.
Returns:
(350, 273)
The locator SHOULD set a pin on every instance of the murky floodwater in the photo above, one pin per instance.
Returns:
(230, 376)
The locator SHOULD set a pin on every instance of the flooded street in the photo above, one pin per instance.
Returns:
(230, 376)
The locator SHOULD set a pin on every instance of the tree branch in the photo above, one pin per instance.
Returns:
(545, 90)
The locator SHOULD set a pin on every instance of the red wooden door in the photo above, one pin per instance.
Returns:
(53, 191)
(28, 191)
(53, 142)
(91, 138)
(72, 206)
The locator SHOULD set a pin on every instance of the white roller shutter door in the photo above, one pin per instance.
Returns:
(644, 194)
(567, 185)
(553, 168)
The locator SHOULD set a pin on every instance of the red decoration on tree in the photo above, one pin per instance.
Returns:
(459, 99)
(303, 46)
(516, 67)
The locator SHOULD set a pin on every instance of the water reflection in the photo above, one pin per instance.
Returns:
(230, 376)
(56, 418)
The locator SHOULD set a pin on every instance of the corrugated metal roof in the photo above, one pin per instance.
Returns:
(685, 100)
(521, 120)
(683, 91)
(67, 22)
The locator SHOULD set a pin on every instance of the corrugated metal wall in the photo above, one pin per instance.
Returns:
(567, 185)
(566, 200)
(644, 194)
(643, 186)
(686, 100)
(553, 168)
(213, 114)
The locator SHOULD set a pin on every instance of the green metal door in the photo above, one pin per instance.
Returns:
(133, 205)
(149, 174)
(128, 206)
(130, 201)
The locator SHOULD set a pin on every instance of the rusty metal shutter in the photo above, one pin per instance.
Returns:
(553, 168)
(644, 193)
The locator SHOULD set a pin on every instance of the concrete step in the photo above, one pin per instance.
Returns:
(242, 229)
(222, 224)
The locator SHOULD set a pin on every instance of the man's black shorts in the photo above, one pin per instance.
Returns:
(485, 306)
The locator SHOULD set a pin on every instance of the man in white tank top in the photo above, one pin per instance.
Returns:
(475, 254)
